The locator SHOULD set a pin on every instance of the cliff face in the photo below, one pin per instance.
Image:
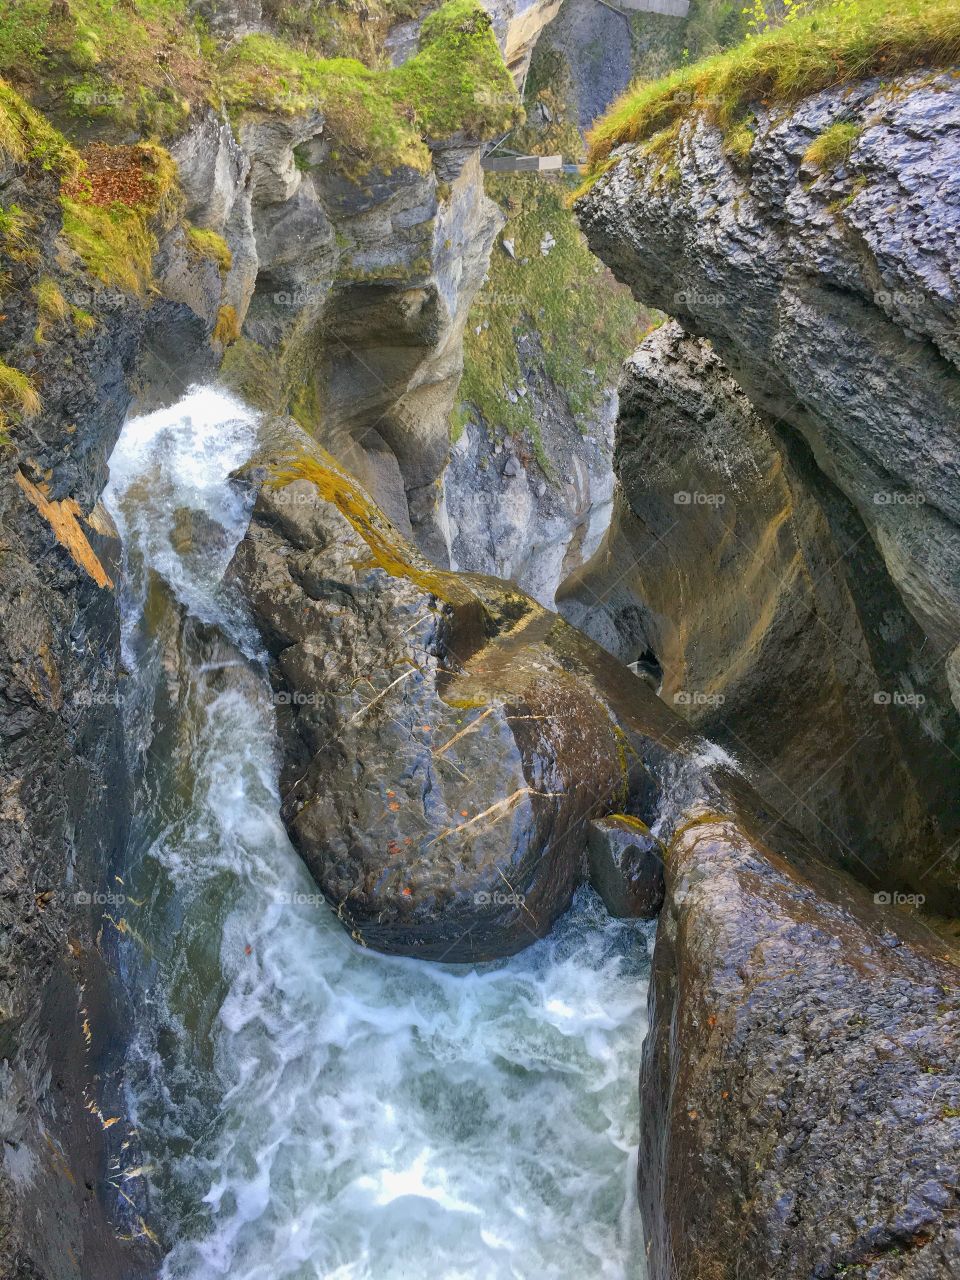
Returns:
(828, 288)
(351, 295)
(794, 1092)
(86, 349)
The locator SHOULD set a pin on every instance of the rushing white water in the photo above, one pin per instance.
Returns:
(308, 1108)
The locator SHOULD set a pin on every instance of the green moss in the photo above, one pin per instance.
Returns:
(379, 119)
(27, 138)
(116, 241)
(739, 141)
(255, 373)
(841, 42)
(227, 328)
(116, 244)
(585, 323)
(16, 242)
(833, 146)
(137, 64)
(83, 321)
(52, 307)
(202, 243)
(459, 419)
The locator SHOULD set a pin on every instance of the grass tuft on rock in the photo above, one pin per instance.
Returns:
(227, 328)
(842, 42)
(833, 146)
(18, 395)
(110, 209)
(26, 138)
(210, 245)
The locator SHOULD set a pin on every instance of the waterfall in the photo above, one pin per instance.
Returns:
(307, 1108)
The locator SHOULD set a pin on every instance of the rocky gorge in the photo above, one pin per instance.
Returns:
(309, 642)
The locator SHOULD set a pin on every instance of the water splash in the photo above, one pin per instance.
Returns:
(308, 1108)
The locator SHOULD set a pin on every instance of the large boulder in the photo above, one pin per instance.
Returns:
(440, 759)
(800, 1090)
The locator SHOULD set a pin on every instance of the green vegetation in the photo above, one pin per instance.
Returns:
(583, 322)
(52, 306)
(379, 119)
(115, 244)
(27, 138)
(202, 243)
(339, 30)
(138, 63)
(227, 328)
(841, 42)
(833, 145)
(111, 208)
(18, 395)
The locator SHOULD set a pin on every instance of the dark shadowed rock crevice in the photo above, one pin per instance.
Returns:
(752, 579)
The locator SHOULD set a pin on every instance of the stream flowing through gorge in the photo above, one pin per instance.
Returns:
(307, 1108)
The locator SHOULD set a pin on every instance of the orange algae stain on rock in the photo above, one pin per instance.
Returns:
(64, 518)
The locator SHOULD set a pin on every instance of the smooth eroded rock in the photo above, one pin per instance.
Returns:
(800, 1090)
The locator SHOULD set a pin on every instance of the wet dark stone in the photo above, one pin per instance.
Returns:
(625, 862)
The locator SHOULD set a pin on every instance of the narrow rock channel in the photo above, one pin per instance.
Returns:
(305, 1106)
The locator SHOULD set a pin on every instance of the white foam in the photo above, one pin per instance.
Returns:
(314, 1109)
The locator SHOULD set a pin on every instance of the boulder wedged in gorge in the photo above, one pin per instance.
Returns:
(831, 297)
(778, 633)
(440, 758)
(445, 739)
(800, 1089)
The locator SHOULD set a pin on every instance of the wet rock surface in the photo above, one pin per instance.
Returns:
(439, 760)
(800, 1090)
(625, 865)
(828, 296)
(353, 295)
(63, 797)
(506, 518)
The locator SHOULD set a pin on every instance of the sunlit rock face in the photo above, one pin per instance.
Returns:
(800, 1095)
(353, 294)
(831, 299)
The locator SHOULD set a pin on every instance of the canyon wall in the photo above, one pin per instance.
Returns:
(812, 474)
